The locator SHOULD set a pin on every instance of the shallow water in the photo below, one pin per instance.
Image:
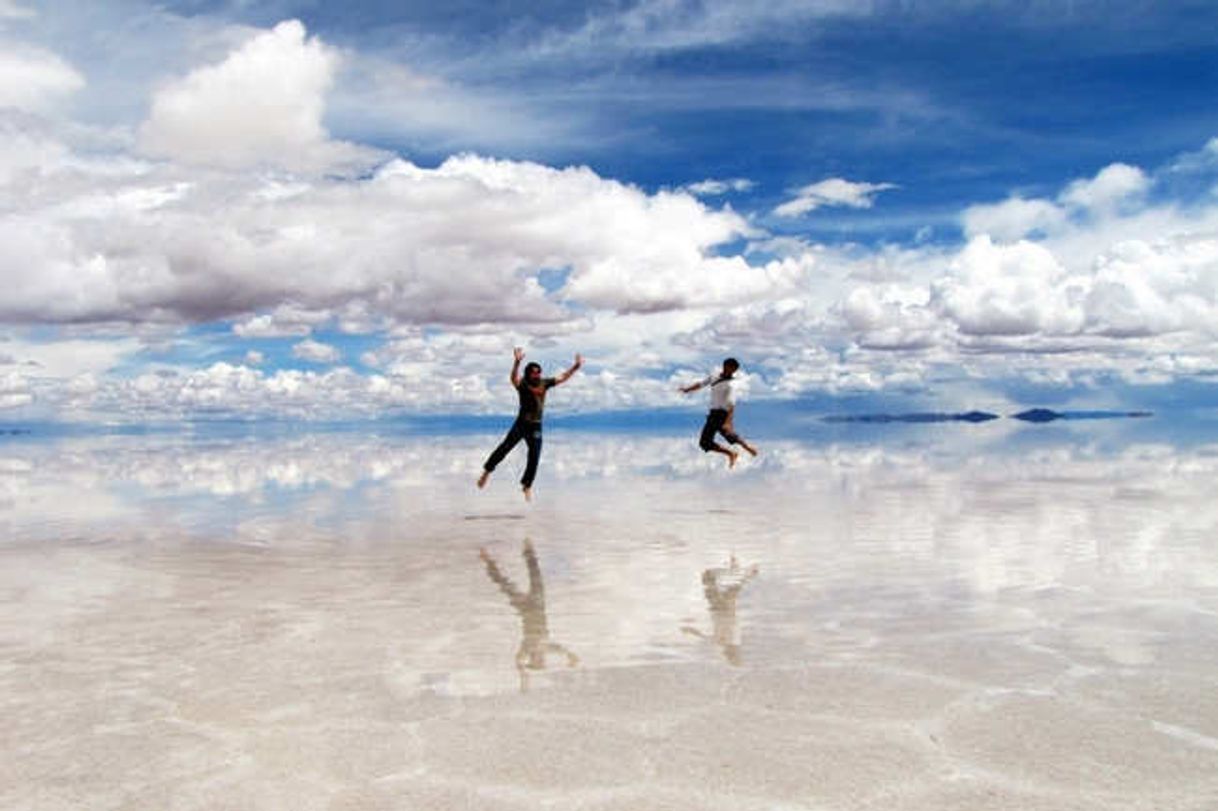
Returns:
(910, 620)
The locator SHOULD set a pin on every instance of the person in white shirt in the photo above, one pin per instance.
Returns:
(722, 408)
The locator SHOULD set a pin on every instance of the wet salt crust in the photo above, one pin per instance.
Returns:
(309, 624)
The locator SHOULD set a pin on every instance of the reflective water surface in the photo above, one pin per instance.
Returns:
(343, 621)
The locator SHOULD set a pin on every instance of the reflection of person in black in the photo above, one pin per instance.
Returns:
(532, 390)
(722, 588)
(534, 631)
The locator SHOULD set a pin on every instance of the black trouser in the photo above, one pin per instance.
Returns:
(530, 432)
(714, 425)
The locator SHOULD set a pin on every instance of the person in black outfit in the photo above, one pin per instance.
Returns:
(532, 390)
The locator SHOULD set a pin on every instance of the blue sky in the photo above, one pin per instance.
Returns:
(309, 209)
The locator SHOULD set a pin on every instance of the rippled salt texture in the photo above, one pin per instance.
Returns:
(344, 621)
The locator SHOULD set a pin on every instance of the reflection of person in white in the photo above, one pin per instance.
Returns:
(722, 588)
(723, 407)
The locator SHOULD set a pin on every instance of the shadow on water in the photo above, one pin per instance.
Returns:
(535, 642)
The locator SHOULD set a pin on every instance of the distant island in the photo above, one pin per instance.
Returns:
(967, 416)
(1048, 415)
(1031, 415)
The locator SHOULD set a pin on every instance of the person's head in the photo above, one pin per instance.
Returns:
(730, 365)
(532, 372)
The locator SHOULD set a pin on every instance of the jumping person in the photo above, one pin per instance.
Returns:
(719, 418)
(532, 389)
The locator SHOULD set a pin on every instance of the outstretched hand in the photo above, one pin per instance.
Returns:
(518, 353)
(579, 360)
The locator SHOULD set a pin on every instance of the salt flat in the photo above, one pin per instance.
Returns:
(345, 622)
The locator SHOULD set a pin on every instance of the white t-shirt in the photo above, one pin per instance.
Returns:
(722, 395)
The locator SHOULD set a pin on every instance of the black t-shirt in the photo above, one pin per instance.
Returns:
(533, 399)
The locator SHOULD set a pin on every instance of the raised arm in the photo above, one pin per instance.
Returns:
(565, 376)
(693, 387)
(517, 355)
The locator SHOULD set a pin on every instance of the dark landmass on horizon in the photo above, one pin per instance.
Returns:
(1048, 415)
(1035, 415)
(968, 416)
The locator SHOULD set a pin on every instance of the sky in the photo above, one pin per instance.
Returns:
(298, 209)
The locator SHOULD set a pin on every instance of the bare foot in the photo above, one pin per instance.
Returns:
(751, 449)
(482, 480)
(528, 493)
(732, 456)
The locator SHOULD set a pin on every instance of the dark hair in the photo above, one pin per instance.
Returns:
(529, 367)
(732, 362)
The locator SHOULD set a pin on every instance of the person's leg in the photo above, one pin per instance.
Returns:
(714, 421)
(714, 424)
(532, 438)
(729, 433)
(514, 435)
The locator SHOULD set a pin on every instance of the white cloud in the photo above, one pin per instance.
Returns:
(834, 191)
(1145, 288)
(1113, 185)
(665, 25)
(712, 188)
(285, 322)
(14, 390)
(1015, 289)
(262, 106)
(891, 318)
(33, 79)
(1013, 219)
(66, 357)
(316, 352)
(461, 243)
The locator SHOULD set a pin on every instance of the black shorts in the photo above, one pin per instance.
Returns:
(714, 425)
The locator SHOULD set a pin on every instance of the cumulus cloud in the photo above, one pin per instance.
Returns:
(33, 79)
(832, 192)
(1014, 219)
(461, 243)
(262, 106)
(1008, 290)
(890, 318)
(1113, 185)
(316, 352)
(1098, 261)
(1142, 288)
(1100, 196)
(286, 321)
